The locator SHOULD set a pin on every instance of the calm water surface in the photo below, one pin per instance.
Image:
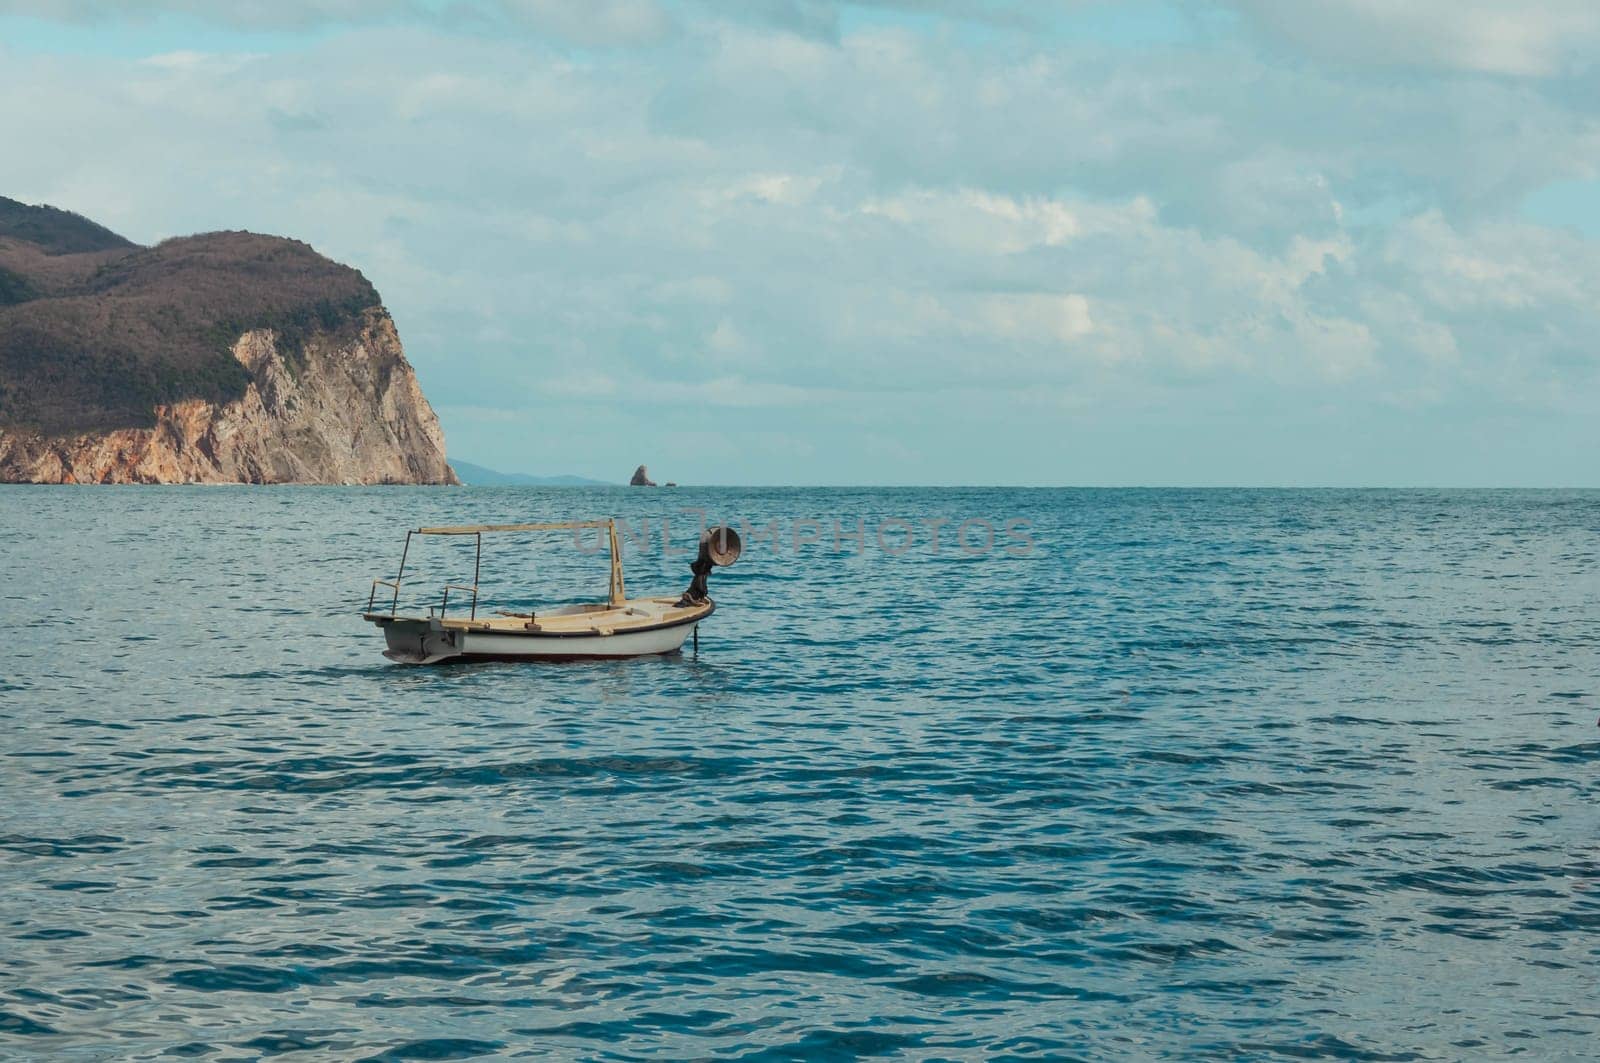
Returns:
(1231, 774)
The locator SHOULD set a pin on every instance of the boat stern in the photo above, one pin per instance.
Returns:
(415, 641)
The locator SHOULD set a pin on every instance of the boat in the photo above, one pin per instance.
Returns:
(617, 627)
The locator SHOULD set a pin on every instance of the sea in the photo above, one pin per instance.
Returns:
(953, 774)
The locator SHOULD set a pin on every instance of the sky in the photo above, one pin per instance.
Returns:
(1186, 242)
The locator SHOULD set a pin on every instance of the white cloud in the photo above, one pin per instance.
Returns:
(1034, 317)
(1534, 39)
(199, 62)
(268, 14)
(813, 236)
(978, 221)
(593, 22)
(779, 189)
(1508, 266)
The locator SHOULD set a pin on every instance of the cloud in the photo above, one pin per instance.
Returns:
(886, 234)
(1537, 39)
(979, 221)
(591, 22)
(1482, 36)
(251, 14)
(588, 23)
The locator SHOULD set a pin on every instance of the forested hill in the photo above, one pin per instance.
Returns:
(227, 357)
(55, 232)
(96, 331)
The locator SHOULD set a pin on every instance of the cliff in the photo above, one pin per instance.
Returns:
(220, 358)
(332, 412)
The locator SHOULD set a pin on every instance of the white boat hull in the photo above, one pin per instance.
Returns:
(415, 641)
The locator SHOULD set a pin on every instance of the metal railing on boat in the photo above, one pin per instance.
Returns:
(444, 607)
(372, 597)
(617, 591)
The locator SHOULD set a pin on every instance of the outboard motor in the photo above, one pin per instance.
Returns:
(718, 546)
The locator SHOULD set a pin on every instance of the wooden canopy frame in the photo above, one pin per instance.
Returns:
(616, 592)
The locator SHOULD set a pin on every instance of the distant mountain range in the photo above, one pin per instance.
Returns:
(478, 476)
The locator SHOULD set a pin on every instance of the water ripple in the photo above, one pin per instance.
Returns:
(1264, 775)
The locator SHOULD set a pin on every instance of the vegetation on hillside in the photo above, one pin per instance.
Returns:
(57, 232)
(93, 339)
(14, 288)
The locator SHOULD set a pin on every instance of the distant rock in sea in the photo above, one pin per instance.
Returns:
(221, 358)
(641, 478)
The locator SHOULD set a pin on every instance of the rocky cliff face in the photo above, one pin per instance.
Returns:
(330, 410)
(225, 357)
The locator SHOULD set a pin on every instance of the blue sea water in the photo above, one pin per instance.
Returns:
(1222, 774)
